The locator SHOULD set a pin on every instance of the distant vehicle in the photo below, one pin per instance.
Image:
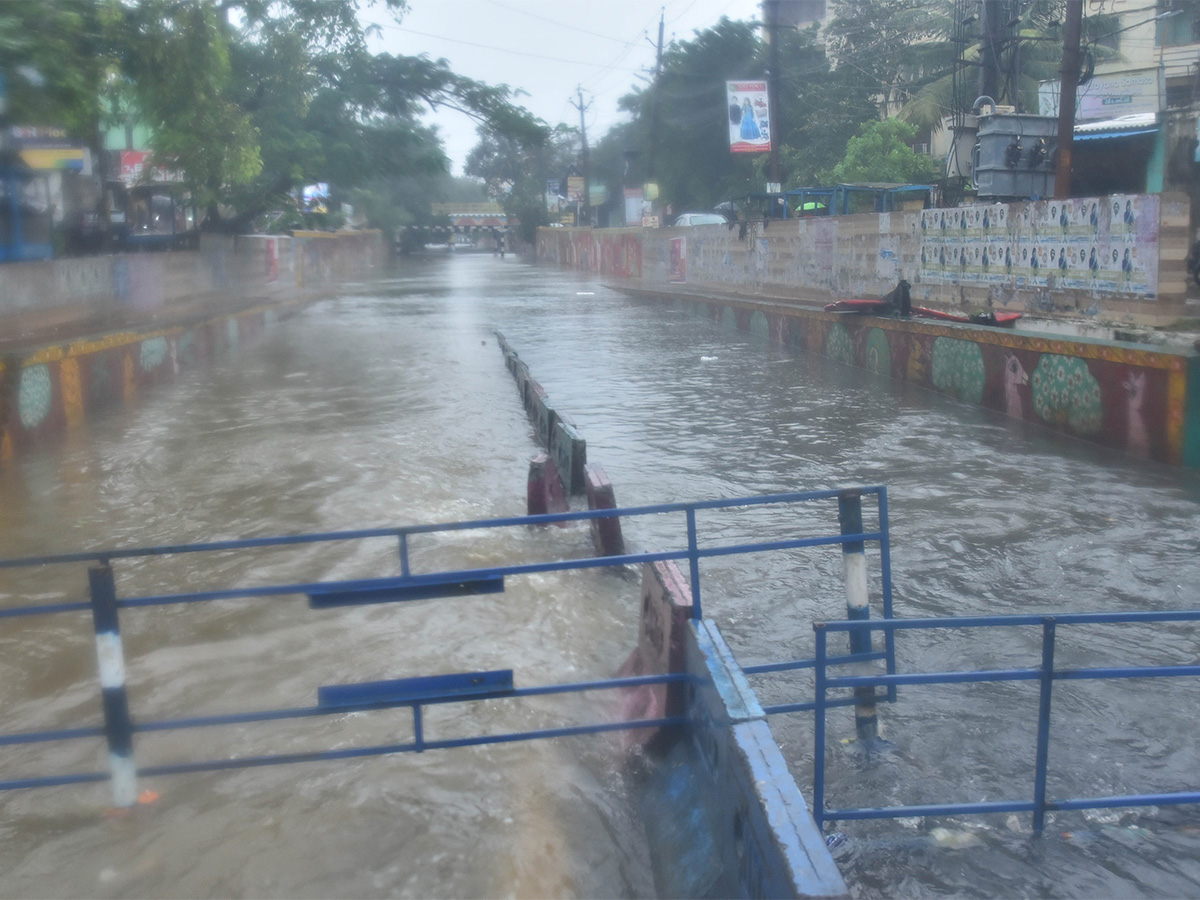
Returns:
(697, 218)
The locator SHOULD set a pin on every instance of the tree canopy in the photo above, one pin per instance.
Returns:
(249, 99)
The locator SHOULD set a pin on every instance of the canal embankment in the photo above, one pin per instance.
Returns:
(1108, 384)
(80, 335)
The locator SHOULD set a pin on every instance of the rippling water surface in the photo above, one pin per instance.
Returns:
(390, 404)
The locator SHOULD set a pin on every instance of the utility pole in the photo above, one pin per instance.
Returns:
(991, 36)
(771, 11)
(1066, 98)
(657, 98)
(587, 196)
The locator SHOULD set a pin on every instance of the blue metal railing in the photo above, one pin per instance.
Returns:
(120, 725)
(1045, 674)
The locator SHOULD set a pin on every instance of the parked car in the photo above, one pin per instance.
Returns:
(700, 218)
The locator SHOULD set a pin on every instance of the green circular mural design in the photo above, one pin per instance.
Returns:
(1066, 393)
(958, 368)
(758, 325)
(34, 395)
(879, 352)
(838, 345)
(153, 351)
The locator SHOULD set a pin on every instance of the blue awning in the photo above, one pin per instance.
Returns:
(1115, 133)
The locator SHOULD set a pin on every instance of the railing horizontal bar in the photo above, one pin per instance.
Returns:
(607, 684)
(285, 589)
(1127, 672)
(849, 681)
(466, 574)
(44, 609)
(270, 715)
(1102, 618)
(934, 809)
(248, 762)
(792, 544)
(17, 784)
(38, 737)
(1114, 802)
(366, 592)
(567, 731)
(767, 668)
(396, 531)
(811, 705)
(302, 712)
(1169, 799)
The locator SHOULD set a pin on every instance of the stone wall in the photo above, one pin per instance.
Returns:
(1114, 258)
(773, 281)
(60, 299)
(82, 335)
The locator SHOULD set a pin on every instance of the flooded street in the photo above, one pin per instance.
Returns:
(390, 404)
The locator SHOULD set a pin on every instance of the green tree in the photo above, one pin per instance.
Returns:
(880, 152)
(55, 58)
(250, 99)
(515, 171)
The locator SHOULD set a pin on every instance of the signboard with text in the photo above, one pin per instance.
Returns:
(135, 169)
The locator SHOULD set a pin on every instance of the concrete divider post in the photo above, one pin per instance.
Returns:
(570, 454)
(544, 493)
(606, 532)
(661, 649)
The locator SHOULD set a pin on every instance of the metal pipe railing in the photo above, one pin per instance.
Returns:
(1045, 673)
(120, 725)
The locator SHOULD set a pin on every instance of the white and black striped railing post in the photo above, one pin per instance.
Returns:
(854, 569)
(118, 727)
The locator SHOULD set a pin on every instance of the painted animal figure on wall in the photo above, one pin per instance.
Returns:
(1014, 376)
(1137, 439)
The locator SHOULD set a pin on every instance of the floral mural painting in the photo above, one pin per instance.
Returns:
(1066, 393)
(958, 369)
(879, 352)
(759, 325)
(35, 395)
(838, 345)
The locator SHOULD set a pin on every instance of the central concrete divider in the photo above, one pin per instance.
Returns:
(722, 814)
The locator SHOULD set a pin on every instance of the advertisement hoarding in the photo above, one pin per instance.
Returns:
(749, 117)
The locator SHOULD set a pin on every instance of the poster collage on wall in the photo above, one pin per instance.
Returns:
(1091, 244)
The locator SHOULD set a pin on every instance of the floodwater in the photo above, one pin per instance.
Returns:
(390, 404)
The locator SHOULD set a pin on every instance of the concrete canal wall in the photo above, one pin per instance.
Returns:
(83, 334)
(1138, 398)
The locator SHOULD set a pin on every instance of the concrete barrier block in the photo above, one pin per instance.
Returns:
(570, 454)
(661, 649)
(544, 493)
(606, 533)
(545, 418)
(530, 391)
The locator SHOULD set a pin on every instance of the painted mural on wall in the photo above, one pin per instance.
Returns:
(1103, 245)
(1126, 398)
(57, 387)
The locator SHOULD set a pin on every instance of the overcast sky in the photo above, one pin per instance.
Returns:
(547, 48)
